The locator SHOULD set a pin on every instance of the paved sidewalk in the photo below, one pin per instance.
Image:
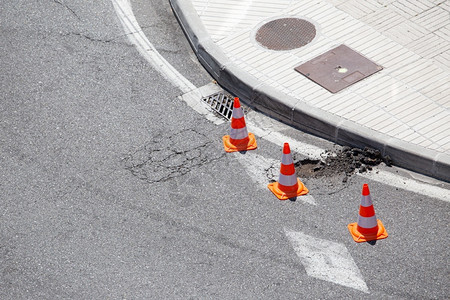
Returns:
(402, 110)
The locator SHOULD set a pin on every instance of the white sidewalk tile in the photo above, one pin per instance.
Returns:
(337, 2)
(442, 138)
(415, 110)
(383, 19)
(378, 114)
(443, 60)
(326, 100)
(405, 8)
(444, 4)
(304, 8)
(438, 89)
(317, 96)
(359, 9)
(412, 7)
(415, 138)
(350, 106)
(365, 109)
(397, 130)
(406, 32)
(419, 116)
(434, 121)
(428, 144)
(420, 81)
(433, 19)
(429, 45)
(381, 125)
(444, 32)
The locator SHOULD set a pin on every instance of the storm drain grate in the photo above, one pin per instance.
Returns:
(220, 103)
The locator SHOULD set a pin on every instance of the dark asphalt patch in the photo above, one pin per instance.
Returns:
(347, 162)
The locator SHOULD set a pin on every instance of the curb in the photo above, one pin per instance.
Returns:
(302, 116)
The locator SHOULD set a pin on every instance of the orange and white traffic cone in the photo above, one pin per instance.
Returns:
(288, 185)
(368, 228)
(239, 139)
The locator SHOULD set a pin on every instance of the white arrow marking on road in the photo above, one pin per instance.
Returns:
(327, 260)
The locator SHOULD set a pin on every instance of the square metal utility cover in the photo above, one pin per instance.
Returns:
(338, 68)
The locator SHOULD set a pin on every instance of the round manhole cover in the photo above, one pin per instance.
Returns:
(285, 34)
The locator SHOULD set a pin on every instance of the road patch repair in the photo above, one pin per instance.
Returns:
(346, 161)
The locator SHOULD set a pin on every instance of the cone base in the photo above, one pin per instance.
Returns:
(301, 190)
(359, 237)
(246, 144)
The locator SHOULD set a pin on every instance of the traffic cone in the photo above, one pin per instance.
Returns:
(288, 185)
(239, 138)
(368, 228)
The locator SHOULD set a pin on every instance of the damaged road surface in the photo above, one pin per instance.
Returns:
(344, 162)
(166, 157)
(114, 188)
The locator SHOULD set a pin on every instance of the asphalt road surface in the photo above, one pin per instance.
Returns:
(112, 187)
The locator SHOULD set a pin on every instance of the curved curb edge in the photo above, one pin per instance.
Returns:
(302, 116)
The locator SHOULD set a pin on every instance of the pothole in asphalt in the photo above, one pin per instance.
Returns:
(344, 162)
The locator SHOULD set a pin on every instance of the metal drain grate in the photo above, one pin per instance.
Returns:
(285, 34)
(220, 103)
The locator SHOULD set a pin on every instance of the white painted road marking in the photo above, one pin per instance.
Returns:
(147, 50)
(268, 129)
(408, 184)
(327, 260)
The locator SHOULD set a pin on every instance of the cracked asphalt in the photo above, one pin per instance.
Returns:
(165, 157)
(113, 188)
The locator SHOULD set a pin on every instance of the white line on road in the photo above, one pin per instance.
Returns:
(147, 50)
(408, 184)
(268, 129)
(327, 260)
